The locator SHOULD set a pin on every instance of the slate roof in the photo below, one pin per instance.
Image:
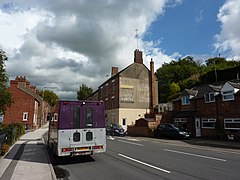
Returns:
(234, 84)
(31, 93)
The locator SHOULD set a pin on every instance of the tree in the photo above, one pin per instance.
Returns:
(50, 97)
(5, 96)
(177, 72)
(84, 92)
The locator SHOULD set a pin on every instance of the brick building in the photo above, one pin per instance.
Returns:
(130, 93)
(26, 107)
(210, 111)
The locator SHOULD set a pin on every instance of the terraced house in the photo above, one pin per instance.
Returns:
(130, 93)
(210, 111)
(27, 107)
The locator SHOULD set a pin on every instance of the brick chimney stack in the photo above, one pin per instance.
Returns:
(152, 86)
(138, 56)
(114, 71)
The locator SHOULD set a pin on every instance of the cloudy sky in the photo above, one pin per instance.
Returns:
(61, 44)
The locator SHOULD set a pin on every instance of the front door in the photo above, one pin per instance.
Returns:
(124, 124)
(198, 127)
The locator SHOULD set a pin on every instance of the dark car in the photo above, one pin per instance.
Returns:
(167, 130)
(115, 130)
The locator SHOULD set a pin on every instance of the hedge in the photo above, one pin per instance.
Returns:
(12, 133)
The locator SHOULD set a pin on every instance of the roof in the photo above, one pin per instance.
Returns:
(234, 84)
(29, 92)
(199, 91)
(191, 92)
(118, 73)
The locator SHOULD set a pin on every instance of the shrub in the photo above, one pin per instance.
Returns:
(4, 149)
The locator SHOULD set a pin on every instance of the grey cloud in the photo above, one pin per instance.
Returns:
(101, 31)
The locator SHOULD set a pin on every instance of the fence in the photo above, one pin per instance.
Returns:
(10, 133)
(2, 140)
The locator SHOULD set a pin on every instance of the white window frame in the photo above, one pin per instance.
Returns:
(55, 117)
(232, 121)
(228, 95)
(25, 116)
(210, 120)
(180, 120)
(185, 100)
(209, 97)
(1, 117)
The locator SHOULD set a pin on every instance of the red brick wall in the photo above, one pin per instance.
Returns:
(111, 103)
(22, 103)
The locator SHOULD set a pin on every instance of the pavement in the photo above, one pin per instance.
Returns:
(229, 144)
(28, 158)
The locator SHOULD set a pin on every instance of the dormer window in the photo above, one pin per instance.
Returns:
(209, 97)
(185, 100)
(228, 95)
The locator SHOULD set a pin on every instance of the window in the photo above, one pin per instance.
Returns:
(1, 118)
(55, 117)
(185, 100)
(89, 119)
(106, 89)
(112, 101)
(76, 117)
(113, 86)
(76, 137)
(209, 123)
(209, 97)
(180, 120)
(228, 95)
(232, 123)
(25, 116)
(89, 136)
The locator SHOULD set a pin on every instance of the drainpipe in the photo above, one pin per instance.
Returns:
(152, 86)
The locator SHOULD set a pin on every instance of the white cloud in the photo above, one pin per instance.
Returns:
(199, 18)
(228, 40)
(67, 43)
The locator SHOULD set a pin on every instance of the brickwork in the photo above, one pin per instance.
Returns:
(23, 103)
(218, 110)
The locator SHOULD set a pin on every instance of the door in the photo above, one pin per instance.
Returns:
(76, 134)
(198, 127)
(124, 124)
(89, 124)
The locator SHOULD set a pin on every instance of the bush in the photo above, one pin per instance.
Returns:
(13, 132)
(4, 149)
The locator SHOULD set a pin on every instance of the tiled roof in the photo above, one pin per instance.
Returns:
(234, 84)
(31, 93)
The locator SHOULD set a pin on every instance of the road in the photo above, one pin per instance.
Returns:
(146, 158)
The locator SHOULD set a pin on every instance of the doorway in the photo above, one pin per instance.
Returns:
(198, 127)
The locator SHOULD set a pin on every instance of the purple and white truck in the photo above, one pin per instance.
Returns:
(77, 128)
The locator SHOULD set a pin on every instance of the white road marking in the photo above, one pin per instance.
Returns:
(196, 155)
(176, 143)
(110, 137)
(131, 139)
(131, 143)
(149, 165)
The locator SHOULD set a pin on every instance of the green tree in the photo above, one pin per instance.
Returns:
(174, 91)
(84, 92)
(5, 96)
(49, 96)
(177, 72)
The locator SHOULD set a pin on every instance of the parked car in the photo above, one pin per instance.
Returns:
(115, 130)
(167, 130)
